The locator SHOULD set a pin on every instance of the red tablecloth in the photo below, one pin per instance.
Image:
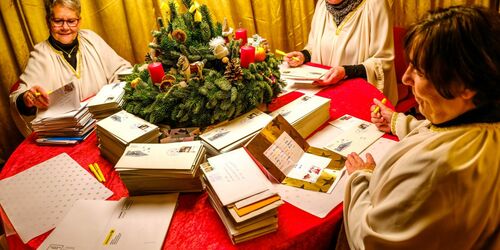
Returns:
(195, 224)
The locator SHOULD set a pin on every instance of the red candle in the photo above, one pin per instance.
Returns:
(156, 72)
(241, 34)
(247, 55)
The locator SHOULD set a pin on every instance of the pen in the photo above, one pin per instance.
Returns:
(98, 170)
(279, 52)
(37, 94)
(95, 172)
(378, 107)
(108, 237)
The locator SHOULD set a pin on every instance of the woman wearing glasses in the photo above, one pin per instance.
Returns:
(68, 55)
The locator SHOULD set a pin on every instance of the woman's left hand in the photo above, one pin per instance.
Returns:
(334, 75)
(354, 162)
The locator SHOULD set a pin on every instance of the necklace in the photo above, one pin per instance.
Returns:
(64, 51)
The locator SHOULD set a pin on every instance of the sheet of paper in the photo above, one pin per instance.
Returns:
(108, 93)
(324, 137)
(126, 126)
(304, 86)
(347, 122)
(36, 199)
(284, 153)
(139, 222)
(316, 203)
(235, 176)
(62, 100)
(379, 148)
(309, 167)
(355, 140)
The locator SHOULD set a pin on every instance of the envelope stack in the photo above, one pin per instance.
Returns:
(117, 131)
(108, 100)
(153, 168)
(242, 196)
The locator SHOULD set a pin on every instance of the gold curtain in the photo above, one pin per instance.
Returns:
(126, 26)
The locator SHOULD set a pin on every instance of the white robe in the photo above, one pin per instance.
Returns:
(438, 188)
(97, 65)
(363, 37)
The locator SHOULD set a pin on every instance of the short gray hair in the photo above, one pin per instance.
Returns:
(70, 4)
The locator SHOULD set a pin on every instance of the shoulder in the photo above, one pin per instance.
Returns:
(89, 35)
(376, 7)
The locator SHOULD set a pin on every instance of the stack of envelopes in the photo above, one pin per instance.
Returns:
(242, 195)
(152, 168)
(117, 131)
(108, 100)
(306, 113)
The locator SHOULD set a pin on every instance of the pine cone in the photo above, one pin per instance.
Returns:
(233, 70)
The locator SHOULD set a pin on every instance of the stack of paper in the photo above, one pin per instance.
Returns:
(130, 223)
(108, 101)
(302, 75)
(242, 195)
(161, 168)
(65, 121)
(117, 131)
(235, 133)
(306, 113)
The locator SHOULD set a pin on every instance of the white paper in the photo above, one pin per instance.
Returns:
(316, 203)
(304, 86)
(136, 222)
(309, 167)
(62, 100)
(284, 153)
(126, 126)
(379, 149)
(36, 199)
(235, 176)
(324, 137)
(347, 122)
(355, 140)
(236, 129)
(109, 93)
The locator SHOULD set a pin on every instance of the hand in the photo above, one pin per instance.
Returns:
(37, 97)
(354, 162)
(382, 118)
(333, 76)
(295, 59)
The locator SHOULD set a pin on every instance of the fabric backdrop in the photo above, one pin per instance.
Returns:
(126, 25)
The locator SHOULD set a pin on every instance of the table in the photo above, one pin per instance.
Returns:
(195, 224)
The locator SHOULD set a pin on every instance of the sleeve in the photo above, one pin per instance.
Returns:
(381, 48)
(112, 62)
(427, 193)
(315, 26)
(402, 125)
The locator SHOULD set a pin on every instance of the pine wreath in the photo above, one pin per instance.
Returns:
(204, 82)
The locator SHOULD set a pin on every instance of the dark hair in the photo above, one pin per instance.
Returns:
(458, 47)
(70, 4)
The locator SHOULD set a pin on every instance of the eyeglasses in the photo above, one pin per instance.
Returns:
(60, 22)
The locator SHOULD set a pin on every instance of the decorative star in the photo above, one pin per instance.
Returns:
(328, 182)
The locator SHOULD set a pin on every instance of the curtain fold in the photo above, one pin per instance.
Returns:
(126, 26)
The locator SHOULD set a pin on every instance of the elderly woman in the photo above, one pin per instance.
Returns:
(439, 187)
(355, 38)
(68, 55)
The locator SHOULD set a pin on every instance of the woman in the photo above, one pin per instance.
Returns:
(68, 55)
(355, 38)
(439, 187)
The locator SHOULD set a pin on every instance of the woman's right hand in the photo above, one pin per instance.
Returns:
(295, 58)
(381, 118)
(36, 97)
